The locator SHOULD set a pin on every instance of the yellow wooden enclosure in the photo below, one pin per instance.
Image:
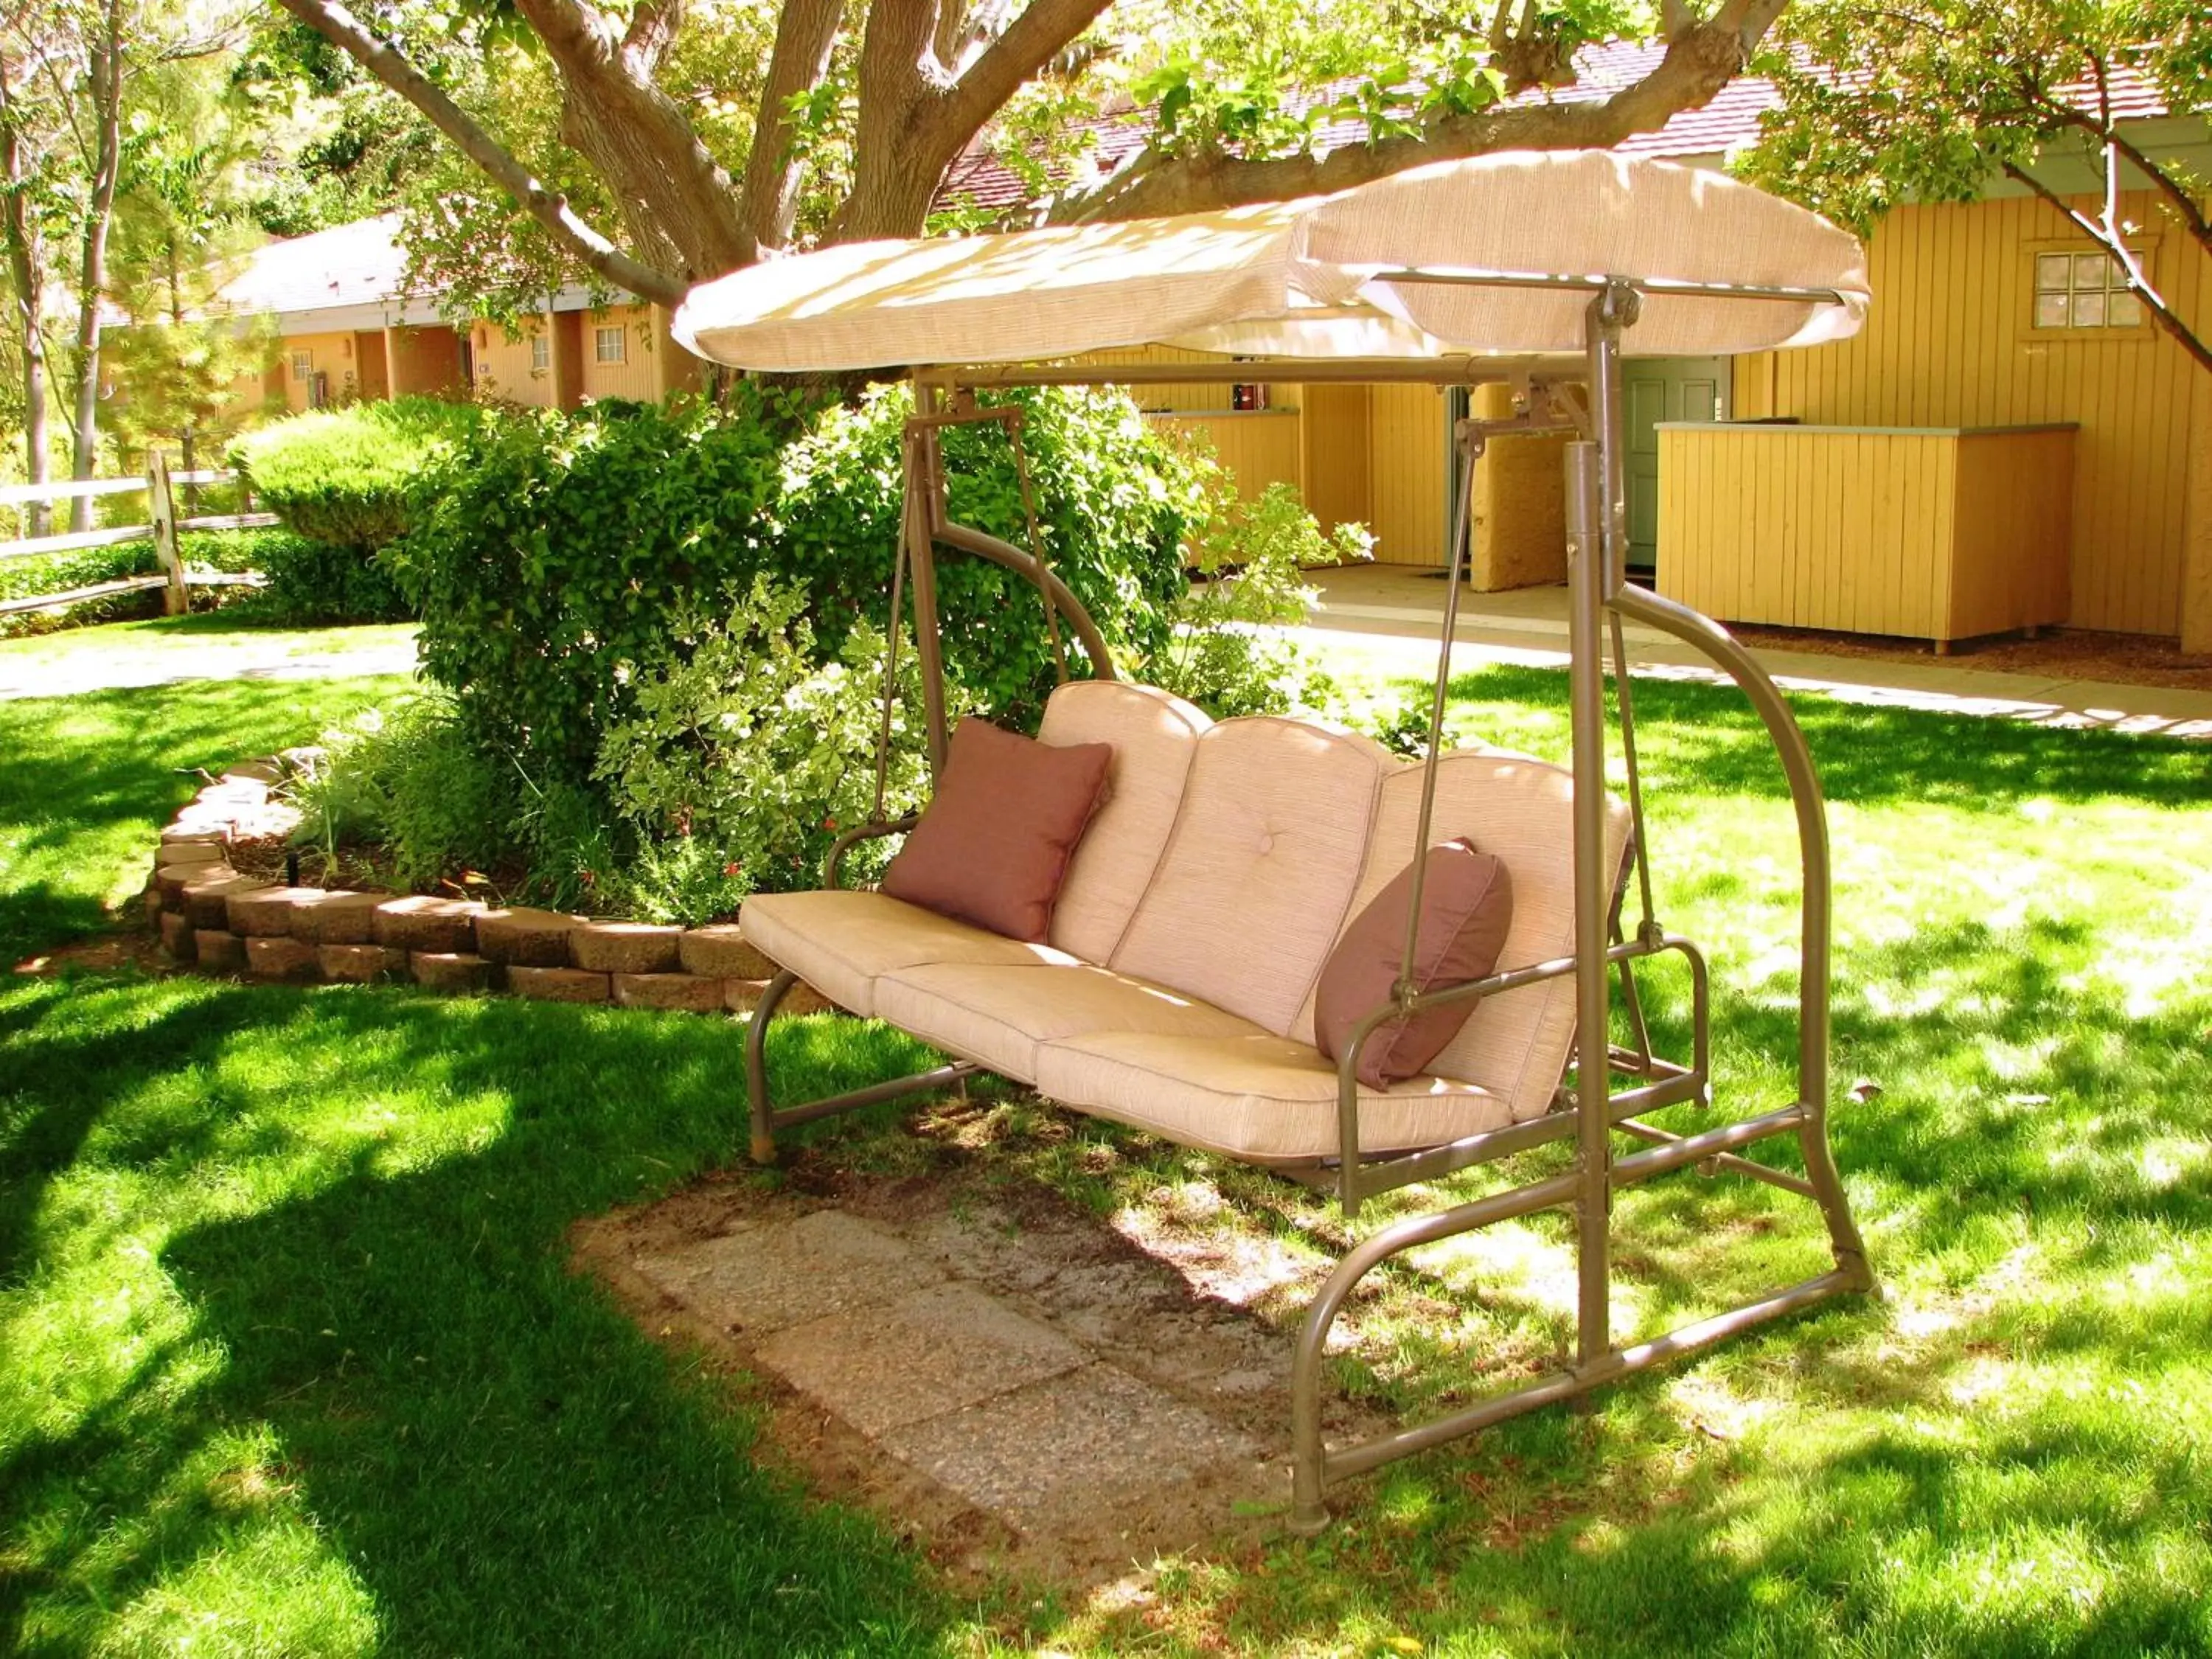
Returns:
(1937, 533)
(1950, 341)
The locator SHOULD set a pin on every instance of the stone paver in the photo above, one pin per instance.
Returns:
(1086, 1436)
(418, 922)
(267, 912)
(206, 899)
(722, 952)
(991, 1397)
(525, 938)
(625, 947)
(337, 918)
(557, 984)
(218, 952)
(281, 958)
(928, 1354)
(442, 970)
(686, 993)
(768, 1279)
(361, 965)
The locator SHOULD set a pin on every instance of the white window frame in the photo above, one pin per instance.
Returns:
(615, 336)
(2083, 291)
(541, 352)
(303, 365)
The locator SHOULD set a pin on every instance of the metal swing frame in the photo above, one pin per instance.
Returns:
(1581, 392)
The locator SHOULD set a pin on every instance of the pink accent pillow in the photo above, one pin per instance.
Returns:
(1467, 910)
(993, 846)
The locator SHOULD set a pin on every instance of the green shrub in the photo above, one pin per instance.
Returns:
(1250, 557)
(312, 583)
(547, 572)
(748, 756)
(411, 779)
(59, 572)
(355, 476)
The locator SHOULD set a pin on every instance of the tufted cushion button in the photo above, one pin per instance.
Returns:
(1267, 843)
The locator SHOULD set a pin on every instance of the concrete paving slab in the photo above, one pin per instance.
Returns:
(936, 1351)
(764, 1280)
(1094, 1437)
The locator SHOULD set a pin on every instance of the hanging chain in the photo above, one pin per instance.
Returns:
(908, 504)
(1036, 547)
(1649, 933)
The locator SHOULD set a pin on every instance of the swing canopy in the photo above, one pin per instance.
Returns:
(1348, 276)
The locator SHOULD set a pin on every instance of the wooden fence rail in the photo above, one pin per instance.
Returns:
(162, 529)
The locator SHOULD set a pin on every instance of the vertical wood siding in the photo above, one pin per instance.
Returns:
(502, 363)
(1406, 468)
(1932, 535)
(634, 377)
(1261, 449)
(1948, 344)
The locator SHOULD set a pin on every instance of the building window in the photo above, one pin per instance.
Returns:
(609, 346)
(303, 365)
(541, 354)
(2084, 290)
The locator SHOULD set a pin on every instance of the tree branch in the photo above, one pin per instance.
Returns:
(336, 24)
(2104, 238)
(1697, 63)
(672, 191)
(805, 35)
(1040, 34)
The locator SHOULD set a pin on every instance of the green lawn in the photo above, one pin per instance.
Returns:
(293, 1364)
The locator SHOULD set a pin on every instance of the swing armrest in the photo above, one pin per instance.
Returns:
(851, 838)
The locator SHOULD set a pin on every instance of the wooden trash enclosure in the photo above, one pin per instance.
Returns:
(1937, 533)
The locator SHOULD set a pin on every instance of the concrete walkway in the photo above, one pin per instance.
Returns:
(1394, 613)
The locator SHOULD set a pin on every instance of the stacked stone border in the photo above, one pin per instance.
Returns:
(219, 921)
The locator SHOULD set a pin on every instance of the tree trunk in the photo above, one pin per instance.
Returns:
(19, 228)
(99, 213)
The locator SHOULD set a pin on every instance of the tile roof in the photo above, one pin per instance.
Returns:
(361, 264)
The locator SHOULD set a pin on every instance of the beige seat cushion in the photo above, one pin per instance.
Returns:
(1153, 736)
(840, 943)
(1256, 880)
(1259, 1097)
(1522, 810)
(998, 1016)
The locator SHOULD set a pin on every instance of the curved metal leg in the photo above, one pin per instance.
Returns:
(1813, 988)
(763, 1109)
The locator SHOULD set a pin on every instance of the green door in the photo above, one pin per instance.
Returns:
(1657, 389)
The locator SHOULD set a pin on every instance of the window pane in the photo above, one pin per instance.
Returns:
(2090, 310)
(2050, 270)
(2123, 311)
(2089, 270)
(2050, 311)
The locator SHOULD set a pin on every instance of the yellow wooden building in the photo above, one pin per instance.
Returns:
(2009, 443)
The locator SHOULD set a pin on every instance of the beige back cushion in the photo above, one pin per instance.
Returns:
(1266, 850)
(1153, 736)
(1515, 1045)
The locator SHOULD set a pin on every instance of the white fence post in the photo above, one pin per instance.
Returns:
(175, 600)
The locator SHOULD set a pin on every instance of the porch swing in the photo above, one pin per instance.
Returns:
(1175, 990)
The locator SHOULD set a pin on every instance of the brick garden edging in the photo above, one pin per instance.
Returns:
(215, 919)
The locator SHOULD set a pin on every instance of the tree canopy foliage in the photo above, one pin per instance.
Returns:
(652, 142)
(1930, 101)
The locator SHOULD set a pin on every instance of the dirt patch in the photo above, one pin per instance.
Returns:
(2070, 654)
(137, 948)
(1140, 1324)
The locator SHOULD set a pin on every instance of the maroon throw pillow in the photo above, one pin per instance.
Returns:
(993, 846)
(1467, 909)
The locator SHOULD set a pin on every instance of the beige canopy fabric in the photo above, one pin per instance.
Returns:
(1320, 278)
